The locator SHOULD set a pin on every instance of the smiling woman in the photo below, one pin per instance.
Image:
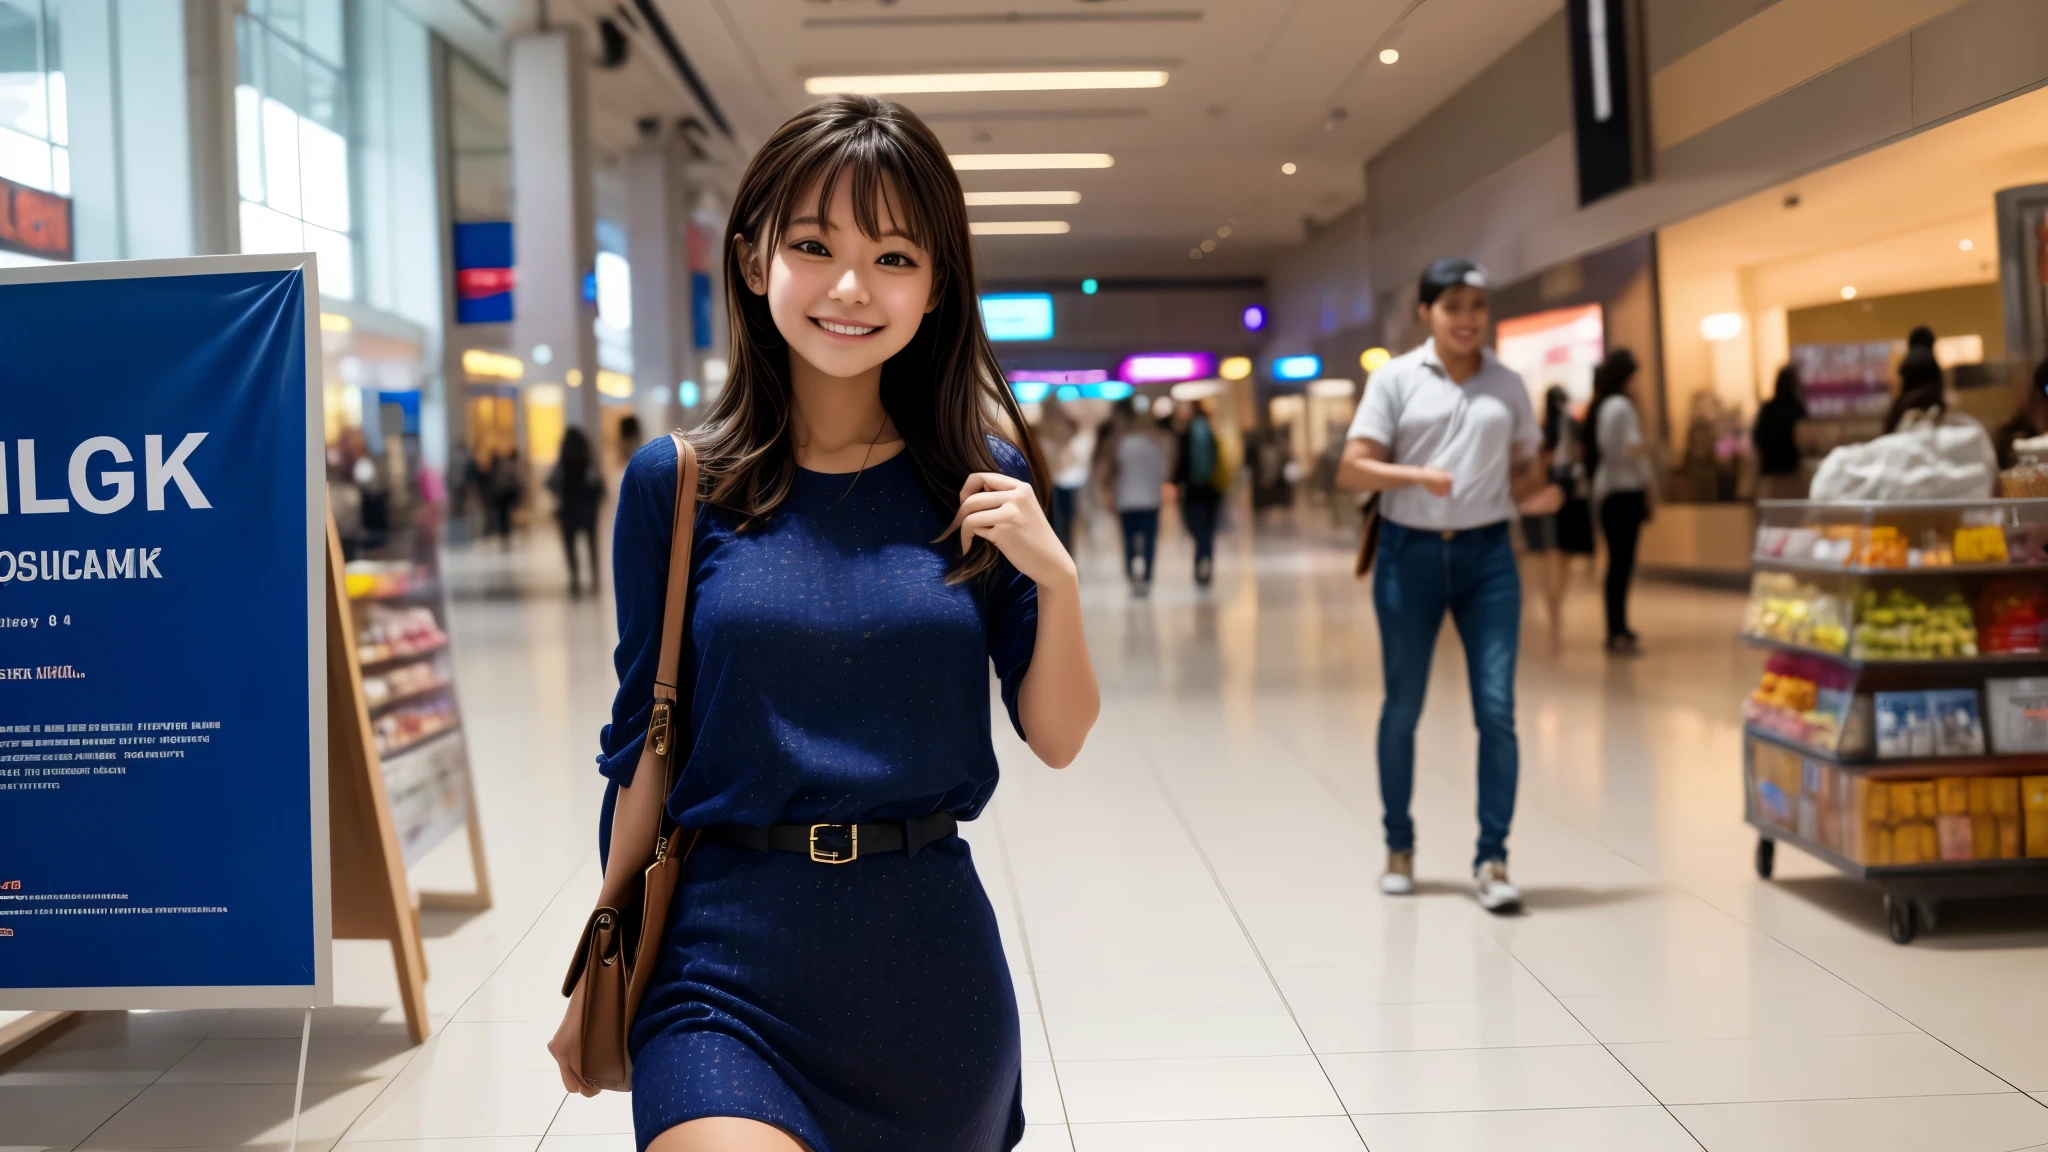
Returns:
(869, 542)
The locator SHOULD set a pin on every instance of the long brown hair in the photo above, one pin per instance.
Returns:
(945, 390)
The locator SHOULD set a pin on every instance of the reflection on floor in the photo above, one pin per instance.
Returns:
(1201, 956)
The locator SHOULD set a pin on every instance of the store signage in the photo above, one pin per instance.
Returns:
(1017, 315)
(1607, 117)
(1165, 367)
(163, 728)
(483, 273)
(34, 222)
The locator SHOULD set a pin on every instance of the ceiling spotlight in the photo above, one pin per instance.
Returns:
(1208, 245)
(1389, 56)
(1194, 253)
(1224, 231)
(1287, 169)
(1848, 291)
(1966, 245)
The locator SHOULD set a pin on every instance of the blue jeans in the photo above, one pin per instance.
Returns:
(1141, 538)
(1417, 577)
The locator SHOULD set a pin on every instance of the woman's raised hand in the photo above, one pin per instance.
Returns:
(1004, 511)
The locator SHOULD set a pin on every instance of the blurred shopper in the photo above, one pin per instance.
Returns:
(2030, 421)
(868, 540)
(1558, 536)
(630, 436)
(1778, 436)
(1138, 470)
(1447, 435)
(507, 483)
(1921, 385)
(1619, 459)
(1198, 472)
(1069, 450)
(579, 488)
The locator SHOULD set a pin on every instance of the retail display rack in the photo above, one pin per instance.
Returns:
(1900, 730)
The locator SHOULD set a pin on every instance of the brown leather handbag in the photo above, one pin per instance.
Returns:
(613, 964)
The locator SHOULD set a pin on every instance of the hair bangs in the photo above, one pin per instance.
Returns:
(883, 179)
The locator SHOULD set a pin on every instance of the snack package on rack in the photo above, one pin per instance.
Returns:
(1789, 611)
(1958, 725)
(2017, 712)
(2034, 814)
(1803, 699)
(1899, 625)
(2014, 615)
(1981, 544)
(1905, 728)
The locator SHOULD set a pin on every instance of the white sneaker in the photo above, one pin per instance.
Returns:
(1496, 893)
(1399, 878)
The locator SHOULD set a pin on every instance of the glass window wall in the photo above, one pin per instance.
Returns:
(292, 135)
(33, 143)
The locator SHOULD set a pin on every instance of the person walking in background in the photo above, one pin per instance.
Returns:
(579, 488)
(507, 480)
(1138, 469)
(1922, 387)
(1446, 434)
(1780, 428)
(1558, 536)
(2027, 423)
(1198, 472)
(1070, 450)
(1615, 452)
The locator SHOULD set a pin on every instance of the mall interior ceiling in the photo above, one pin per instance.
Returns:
(1257, 137)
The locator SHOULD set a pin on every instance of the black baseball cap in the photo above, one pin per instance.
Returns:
(1446, 274)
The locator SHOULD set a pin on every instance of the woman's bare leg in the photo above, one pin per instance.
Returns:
(725, 1134)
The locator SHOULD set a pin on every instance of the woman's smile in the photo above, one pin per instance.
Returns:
(842, 328)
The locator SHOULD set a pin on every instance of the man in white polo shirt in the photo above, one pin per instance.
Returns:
(1447, 436)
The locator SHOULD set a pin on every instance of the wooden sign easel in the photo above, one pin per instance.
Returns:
(372, 898)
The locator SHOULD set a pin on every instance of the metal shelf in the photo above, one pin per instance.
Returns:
(1847, 661)
(1987, 764)
(1815, 568)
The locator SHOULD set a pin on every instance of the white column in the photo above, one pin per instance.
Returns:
(553, 226)
(661, 285)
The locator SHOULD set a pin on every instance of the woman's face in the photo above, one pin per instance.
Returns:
(1458, 320)
(843, 300)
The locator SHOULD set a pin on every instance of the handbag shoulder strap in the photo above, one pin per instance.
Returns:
(660, 728)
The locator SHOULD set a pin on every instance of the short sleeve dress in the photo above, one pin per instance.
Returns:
(832, 675)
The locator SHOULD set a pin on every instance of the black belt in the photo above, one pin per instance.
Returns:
(839, 843)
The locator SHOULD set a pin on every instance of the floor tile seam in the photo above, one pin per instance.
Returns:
(1166, 794)
(1918, 1027)
(1611, 1055)
(153, 1082)
(1030, 966)
(1844, 1099)
(1738, 1039)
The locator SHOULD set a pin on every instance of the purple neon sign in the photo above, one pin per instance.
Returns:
(1166, 367)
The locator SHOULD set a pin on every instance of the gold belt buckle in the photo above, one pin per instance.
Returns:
(827, 855)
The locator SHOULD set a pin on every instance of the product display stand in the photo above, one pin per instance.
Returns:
(1897, 734)
(372, 900)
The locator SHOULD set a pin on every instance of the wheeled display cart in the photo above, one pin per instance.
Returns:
(1900, 730)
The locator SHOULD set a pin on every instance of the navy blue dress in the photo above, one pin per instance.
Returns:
(832, 675)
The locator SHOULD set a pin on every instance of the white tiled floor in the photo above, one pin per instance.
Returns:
(1201, 957)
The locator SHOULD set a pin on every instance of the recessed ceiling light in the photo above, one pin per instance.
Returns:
(1019, 227)
(1966, 245)
(1223, 231)
(1287, 169)
(1017, 161)
(1389, 55)
(1848, 291)
(1194, 253)
(981, 82)
(999, 199)
(1208, 245)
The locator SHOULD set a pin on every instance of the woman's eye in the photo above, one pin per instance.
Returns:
(811, 248)
(897, 260)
